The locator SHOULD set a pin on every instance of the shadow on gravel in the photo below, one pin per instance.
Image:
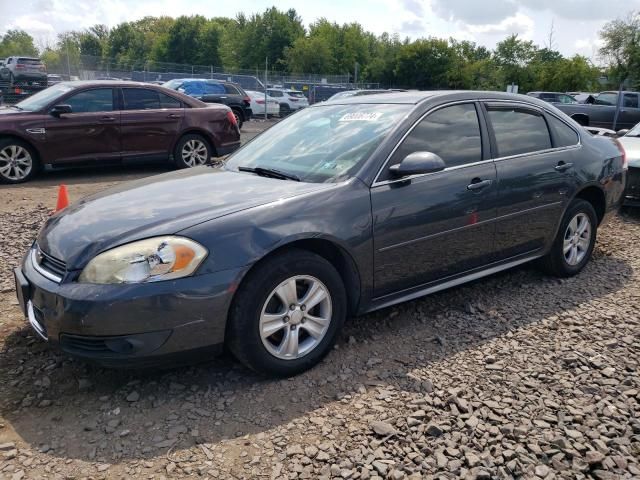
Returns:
(73, 410)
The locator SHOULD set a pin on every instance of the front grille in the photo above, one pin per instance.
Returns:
(81, 344)
(633, 182)
(52, 264)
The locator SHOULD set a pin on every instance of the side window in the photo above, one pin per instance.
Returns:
(518, 131)
(565, 136)
(98, 100)
(167, 101)
(607, 99)
(194, 88)
(230, 89)
(140, 99)
(452, 132)
(213, 88)
(631, 100)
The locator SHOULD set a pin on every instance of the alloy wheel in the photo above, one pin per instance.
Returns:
(577, 239)
(194, 153)
(15, 162)
(295, 317)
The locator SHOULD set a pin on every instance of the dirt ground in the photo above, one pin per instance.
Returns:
(515, 376)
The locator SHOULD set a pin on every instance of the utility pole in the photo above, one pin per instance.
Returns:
(266, 69)
(355, 76)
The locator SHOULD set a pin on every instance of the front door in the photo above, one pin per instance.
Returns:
(535, 176)
(150, 123)
(91, 132)
(430, 227)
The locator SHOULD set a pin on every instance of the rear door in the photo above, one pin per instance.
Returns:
(430, 227)
(150, 123)
(90, 133)
(534, 156)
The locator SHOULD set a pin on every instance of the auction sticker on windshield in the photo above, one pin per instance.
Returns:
(361, 116)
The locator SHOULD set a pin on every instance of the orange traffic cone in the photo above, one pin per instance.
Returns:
(63, 198)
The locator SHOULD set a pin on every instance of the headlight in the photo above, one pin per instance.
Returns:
(150, 260)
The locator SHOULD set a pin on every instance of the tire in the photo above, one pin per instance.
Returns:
(12, 79)
(239, 117)
(556, 262)
(284, 110)
(201, 151)
(258, 308)
(18, 161)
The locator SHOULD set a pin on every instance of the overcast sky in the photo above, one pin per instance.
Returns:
(576, 22)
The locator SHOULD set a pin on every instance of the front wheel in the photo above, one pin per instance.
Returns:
(287, 313)
(574, 243)
(192, 151)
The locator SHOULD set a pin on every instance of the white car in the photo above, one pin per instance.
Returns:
(257, 104)
(289, 100)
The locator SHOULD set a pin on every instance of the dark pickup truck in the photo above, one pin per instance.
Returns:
(602, 111)
(216, 91)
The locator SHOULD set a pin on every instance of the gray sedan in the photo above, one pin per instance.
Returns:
(343, 208)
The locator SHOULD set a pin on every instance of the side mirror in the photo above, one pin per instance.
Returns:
(58, 110)
(623, 132)
(417, 163)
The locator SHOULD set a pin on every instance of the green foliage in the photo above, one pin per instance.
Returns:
(17, 42)
(244, 42)
(621, 48)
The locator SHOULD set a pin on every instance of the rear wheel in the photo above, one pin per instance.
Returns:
(287, 313)
(239, 117)
(574, 243)
(18, 161)
(284, 110)
(192, 150)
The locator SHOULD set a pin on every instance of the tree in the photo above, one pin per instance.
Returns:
(424, 64)
(309, 55)
(621, 48)
(17, 42)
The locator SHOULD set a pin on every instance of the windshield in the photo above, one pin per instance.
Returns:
(348, 93)
(321, 144)
(45, 97)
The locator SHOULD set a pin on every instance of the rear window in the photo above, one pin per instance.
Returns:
(29, 61)
(565, 136)
(518, 131)
(296, 94)
(231, 89)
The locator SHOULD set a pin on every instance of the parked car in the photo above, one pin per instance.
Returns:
(97, 122)
(53, 78)
(215, 91)
(23, 69)
(631, 143)
(602, 111)
(553, 97)
(289, 100)
(258, 104)
(261, 254)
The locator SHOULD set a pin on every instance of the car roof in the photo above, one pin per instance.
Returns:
(102, 83)
(415, 97)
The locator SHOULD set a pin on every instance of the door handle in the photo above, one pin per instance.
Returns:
(173, 115)
(478, 184)
(562, 166)
(107, 119)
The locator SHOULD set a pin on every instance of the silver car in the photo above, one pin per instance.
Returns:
(631, 143)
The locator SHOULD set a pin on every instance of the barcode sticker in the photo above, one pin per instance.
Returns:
(361, 116)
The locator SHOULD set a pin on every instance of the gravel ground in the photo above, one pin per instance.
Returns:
(518, 375)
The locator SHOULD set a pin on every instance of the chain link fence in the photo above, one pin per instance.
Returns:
(316, 87)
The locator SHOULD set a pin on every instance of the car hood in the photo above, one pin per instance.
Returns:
(632, 148)
(159, 205)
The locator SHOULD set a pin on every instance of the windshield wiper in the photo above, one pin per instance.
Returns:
(270, 172)
(16, 106)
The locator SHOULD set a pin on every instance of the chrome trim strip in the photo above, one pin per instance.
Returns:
(528, 210)
(34, 323)
(451, 283)
(42, 271)
(35, 131)
(539, 152)
(448, 169)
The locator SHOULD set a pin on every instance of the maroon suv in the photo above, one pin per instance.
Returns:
(83, 123)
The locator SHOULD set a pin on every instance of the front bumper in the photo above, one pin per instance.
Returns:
(129, 325)
(631, 196)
